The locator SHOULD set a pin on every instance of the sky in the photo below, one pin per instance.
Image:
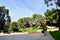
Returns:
(24, 8)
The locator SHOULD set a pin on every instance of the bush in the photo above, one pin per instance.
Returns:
(15, 29)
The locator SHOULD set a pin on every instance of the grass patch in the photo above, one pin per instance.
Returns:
(22, 30)
(55, 35)
(32, 29)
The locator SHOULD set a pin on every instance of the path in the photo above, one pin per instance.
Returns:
(36, 36)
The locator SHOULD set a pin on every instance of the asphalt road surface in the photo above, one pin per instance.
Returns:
(36, 36)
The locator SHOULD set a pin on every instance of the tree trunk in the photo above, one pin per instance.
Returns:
(59, 28)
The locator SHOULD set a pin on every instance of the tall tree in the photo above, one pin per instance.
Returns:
(57, 11)
(24, 22)
(20, 23)
(57, 2)
(52, 17)
(14, 27)
(4, 13)
(37, 19)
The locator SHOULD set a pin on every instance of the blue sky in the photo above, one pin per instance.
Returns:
(24, 8)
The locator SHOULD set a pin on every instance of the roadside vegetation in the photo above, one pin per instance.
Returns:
(25, 24)
(33, 29)
(35, 22)
(55, 35)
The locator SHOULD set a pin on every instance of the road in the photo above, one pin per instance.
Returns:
(36, 36)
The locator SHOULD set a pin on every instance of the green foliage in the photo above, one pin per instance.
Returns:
(2, 23)
(6, 29)
(23, 22)
(57, 2)
(46, 1)
(31, 23)
(14, 27)
(55, 17)
(26, 22)
(32, 29)
(37, 17)
(52, 16)
(56, 35)
(22, 30)
(4, 19)
(20, 22)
